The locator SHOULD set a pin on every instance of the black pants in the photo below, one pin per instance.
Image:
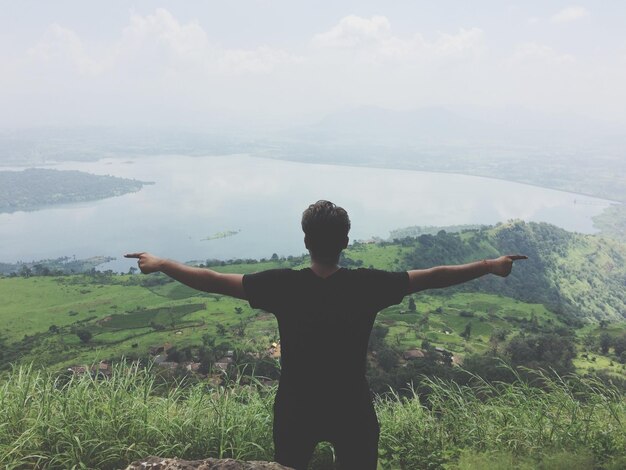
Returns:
(349, 424)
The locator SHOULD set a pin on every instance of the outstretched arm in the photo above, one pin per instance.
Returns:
(445, 276)
(202, 279)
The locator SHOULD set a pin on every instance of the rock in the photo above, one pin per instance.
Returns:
(160, 463)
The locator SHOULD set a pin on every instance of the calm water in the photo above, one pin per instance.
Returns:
(194, 198)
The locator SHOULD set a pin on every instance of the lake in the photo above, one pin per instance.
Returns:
(195, 198)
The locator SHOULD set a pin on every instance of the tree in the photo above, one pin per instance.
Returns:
(491, 368)
(467, 332)
(377, 337)
(25, 271)
(423, 323)
(208, 341)
(156, 326)
(619, 344)
(84, 335)
(590, 341)
(605, 342)
(544, 351)
(41, 270)
(387, 358)
(174, 355)
(240, 329)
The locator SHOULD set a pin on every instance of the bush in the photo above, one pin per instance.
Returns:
(84, 335)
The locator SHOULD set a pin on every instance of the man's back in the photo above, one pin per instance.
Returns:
(324, 323)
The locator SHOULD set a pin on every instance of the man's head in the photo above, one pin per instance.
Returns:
(325, 228)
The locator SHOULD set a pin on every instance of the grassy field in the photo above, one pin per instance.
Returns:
(41, 315)
(79, 422)
(120, 315)
(380, 257)
(448, 316)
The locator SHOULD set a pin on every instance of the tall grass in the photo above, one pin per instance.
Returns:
(48, 422)
(108, 423)
(579, 416)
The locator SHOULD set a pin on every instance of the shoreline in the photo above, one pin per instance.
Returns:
(126, 159)
(473, 175)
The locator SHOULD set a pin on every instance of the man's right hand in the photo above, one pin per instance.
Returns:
(147, 263)
(203, 279)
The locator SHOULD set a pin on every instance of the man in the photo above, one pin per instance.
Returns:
(325, 315)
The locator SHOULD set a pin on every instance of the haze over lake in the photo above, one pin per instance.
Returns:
(197, 197)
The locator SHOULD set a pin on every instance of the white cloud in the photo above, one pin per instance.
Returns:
(465, 42)
(534, 52)
(161, 68)
(164, 32)
(571, 13)
(354, 31)
(372, 40)
(188, 46)
(63, 46)
(155, 43)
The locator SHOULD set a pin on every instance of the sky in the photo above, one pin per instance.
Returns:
(204, 62)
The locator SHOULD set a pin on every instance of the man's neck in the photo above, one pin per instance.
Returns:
(323, 269)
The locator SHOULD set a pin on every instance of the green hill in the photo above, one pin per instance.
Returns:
(569, 280)
(577, 276)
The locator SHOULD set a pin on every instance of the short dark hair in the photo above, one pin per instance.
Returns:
(326, 228)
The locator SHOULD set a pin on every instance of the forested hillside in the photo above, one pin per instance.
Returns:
(576, 276)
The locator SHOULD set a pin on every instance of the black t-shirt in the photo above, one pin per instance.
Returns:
(324, 323)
